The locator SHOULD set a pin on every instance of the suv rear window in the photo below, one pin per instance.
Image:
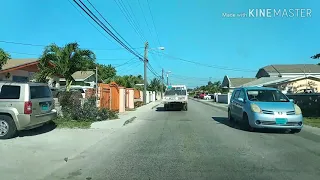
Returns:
(40, 92)
(10, 92)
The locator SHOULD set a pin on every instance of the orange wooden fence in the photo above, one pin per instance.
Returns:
(109, 96)
(136, 94)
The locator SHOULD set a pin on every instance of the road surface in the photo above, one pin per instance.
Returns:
(197, 144)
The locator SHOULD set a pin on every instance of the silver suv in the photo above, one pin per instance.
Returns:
(24, 106)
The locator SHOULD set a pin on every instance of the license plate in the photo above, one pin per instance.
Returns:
(281, 121)
(44, 108)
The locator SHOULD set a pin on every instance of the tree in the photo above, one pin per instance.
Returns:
(155, 85)
(106, 72)
(66, 60)
(129, 81)
(317, 56)
(4, 57)
(210, 87)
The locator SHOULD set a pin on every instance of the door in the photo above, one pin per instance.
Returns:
(233, 103)
(240, 104)
(42, 101)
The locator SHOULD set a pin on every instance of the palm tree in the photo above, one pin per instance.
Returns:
(155, 85)
(66, 60)
(4, 57)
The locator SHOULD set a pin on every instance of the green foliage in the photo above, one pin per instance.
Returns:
(73, 109)
(155, 85)
(106, 73)
(4, 57)
(66, 60)
(317, 56)
(129, 81)
(210, 87)
(138, 104)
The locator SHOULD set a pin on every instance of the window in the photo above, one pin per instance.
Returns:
(267, 96)
(236, 94)
(20, 79)
(10, 92)
(172, 92)
(40, 92)
(241, 95)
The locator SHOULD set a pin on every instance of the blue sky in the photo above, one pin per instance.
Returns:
(188, 29)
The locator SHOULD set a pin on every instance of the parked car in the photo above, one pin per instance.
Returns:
(82, 89)
(207, 96)
(260, 107)
(201, 96)
(24, 106)
(197, 96)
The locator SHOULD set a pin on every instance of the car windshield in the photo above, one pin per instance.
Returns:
(266, 96)
(175, 92)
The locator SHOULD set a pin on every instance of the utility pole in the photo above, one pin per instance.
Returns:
(168, 79)
(145, 60)
(162, 84)
(96, 85)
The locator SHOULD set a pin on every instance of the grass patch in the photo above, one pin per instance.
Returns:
(314, 122)
(72, 124)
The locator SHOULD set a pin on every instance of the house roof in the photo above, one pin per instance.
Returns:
(285, 80)
(236, 82)
(262, 81)
(80, 75)
(13, 63)
(292, 68)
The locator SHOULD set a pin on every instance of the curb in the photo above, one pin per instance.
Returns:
(129, 120)
(212, 105)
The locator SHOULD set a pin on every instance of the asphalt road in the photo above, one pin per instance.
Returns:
(197, 144)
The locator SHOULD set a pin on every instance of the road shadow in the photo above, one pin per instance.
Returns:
(161, 109)
(39, 130)
(239, 126)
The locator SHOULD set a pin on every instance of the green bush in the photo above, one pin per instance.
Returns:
(138, 104)
(86, 112)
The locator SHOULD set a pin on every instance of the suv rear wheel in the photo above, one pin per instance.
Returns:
(8, 128)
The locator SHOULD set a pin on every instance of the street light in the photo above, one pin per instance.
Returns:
(168, 72)
(145, 59)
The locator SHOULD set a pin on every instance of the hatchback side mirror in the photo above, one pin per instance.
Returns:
(291, 100)
(241, 99)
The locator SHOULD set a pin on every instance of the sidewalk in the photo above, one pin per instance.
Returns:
(125, 116)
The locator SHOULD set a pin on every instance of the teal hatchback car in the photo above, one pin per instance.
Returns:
(261, 107)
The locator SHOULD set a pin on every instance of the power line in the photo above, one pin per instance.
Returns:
(207, 65)
(153, 22)
(41, 45)
(130, 19)
(107, 30)
(90, 22)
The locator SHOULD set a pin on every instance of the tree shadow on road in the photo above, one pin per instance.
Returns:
(161, 109)
(39, 130)
(236, 125)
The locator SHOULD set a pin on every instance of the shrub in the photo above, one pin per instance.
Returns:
(86, 112)
(138, 104)
(69, 98)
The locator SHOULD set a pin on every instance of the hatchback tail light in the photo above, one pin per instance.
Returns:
(28, 107)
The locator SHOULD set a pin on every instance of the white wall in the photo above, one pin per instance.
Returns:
(16, 73)
(224, 98)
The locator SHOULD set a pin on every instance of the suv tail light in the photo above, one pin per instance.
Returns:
(28, 107)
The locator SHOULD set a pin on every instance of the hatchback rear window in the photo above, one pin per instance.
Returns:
(40, 92)
(10, 92)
